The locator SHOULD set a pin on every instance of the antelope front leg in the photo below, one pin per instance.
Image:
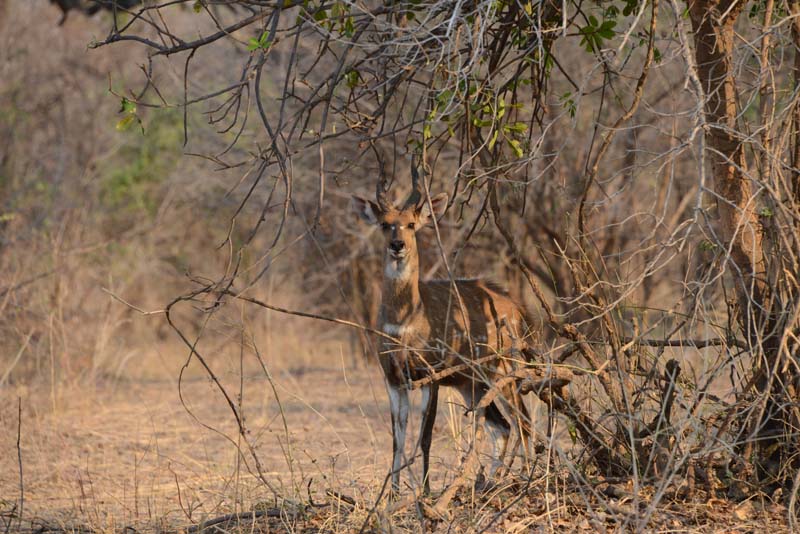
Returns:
(430, 398)
(398, 403)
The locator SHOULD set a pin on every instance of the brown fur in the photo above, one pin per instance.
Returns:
(435, 319)
(440, 324)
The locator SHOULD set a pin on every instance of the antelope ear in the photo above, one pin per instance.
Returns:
(438, 203)
(365, 209)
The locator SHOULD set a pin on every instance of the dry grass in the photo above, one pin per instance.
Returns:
(130, 453)
(110, 442)
(110, 454)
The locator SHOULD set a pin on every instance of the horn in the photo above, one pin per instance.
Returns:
(380, 196)
(380, 190)
(415, 197)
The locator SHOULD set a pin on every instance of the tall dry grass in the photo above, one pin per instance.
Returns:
(123, 426)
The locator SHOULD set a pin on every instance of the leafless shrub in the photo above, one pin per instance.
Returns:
(634, 165)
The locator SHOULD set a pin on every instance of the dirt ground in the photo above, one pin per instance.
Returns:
(122, 454)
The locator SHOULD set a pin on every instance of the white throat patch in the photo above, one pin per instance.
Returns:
(397, 270)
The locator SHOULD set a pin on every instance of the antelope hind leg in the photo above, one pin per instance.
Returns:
(430, 400)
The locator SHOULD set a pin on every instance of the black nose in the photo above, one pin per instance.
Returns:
(396, 245)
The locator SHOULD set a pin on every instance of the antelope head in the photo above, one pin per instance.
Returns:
(400, 224)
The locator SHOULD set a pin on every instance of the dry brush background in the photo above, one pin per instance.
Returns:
(628, 170)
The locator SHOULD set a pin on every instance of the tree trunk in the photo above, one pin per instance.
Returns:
(713, 38)
(759, 313)
(794, 10)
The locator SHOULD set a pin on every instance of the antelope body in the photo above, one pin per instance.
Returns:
(438, 325)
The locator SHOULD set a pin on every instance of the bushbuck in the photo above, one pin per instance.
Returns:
(447, 330)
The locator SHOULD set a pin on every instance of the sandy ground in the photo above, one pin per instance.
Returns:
(149, 455)
(114, 454)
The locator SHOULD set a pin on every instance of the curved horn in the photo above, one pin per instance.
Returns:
(380, 190)
(380, 196)
(415, 197)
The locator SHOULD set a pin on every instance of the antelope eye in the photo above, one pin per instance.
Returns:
(411, 226)
(385, 225)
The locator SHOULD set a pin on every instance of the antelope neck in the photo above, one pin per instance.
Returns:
(401, 298)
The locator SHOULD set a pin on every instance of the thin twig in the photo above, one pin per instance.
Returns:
(19, 463)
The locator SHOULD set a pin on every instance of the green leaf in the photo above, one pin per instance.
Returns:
(606, 30)
(528, 7)
(517, 127)
(320, 15)
(198, 6)
(568, 103)
(261, 42)
(126, 106)
(352, 78)
(349, 27)
(444, 97)
(707, 246)
(587, 40)
(630, 6)
(605, 33)
(593, 21)
(573, 432)
(549, 62)
(125, 122)
(493, 139)
(516, 146)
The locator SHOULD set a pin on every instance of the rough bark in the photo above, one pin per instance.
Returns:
(759, 308)
(794, 9)
(713, 24)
